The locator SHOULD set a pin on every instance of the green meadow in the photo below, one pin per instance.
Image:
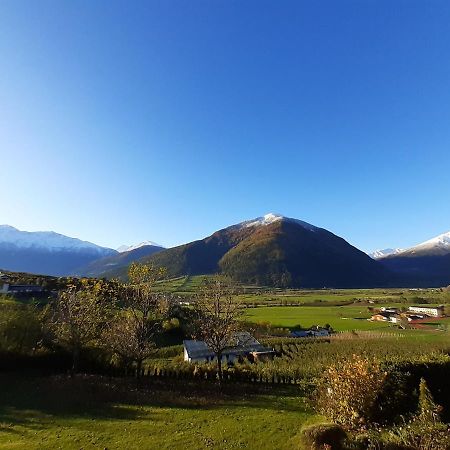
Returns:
(341, 318)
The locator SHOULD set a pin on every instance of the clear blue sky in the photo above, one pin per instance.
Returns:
(167, 120)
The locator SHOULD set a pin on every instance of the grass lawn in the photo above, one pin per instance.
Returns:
(49, 413)
(341, 318)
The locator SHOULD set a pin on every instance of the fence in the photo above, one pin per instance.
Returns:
(199, 374)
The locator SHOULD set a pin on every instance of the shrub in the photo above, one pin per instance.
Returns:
(428, 410)
(420, 435)
(324, 436)
(348, 391)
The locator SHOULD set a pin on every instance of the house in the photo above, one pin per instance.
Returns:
(414, 317)
(381, 317)
(18, 289)
(432, 311)
(243, 345)
(312, 332)
(384, 316)
(389, 309)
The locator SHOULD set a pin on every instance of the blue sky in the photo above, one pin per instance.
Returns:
(167, 120)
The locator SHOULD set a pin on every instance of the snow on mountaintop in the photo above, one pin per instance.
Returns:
(377, 254)
(45, 239)
(128, 248)
(271, 218)
(440, 245)
(441, 242)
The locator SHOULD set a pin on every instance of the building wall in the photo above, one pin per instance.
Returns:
(435, 312)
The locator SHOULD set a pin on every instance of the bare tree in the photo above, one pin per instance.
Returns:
(216, 316)
(78, 316)
(132, 334)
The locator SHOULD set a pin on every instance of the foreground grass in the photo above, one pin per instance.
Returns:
(57, 412)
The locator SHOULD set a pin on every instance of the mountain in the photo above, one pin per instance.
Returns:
(114, 265)
(45, 252)
(377, 254)
(278, 251)
(426, 264)
(127, 248)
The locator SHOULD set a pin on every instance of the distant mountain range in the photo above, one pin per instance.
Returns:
(272, 250)
(426, 264)
(377, 254)
(45, 252)
(129, 248)
(116, 265)
(49, 253)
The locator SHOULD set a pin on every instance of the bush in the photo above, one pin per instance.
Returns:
(348, 391)
(324, 436)
(420, 435)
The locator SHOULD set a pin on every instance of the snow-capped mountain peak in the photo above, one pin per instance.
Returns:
(272, 218)
(439, 244)
(377, 254)
(128, 248)
(48, 240)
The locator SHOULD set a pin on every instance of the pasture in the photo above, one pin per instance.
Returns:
(341, 318)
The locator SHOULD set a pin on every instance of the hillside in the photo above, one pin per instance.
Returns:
(111, 265)
(276, 251)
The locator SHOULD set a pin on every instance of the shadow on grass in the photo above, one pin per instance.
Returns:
(33, 401)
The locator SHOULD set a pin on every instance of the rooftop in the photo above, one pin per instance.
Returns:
(242, 343)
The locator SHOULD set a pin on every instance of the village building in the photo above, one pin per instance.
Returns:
(389, 309)
(243, 345)
(432, 311)
(312, 332)
(21, 289)
(384, 316)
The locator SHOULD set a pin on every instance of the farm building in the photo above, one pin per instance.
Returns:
(385, 317)
(432, 311)
(312, 332)
(21, 289)
(243, 345)
(389, 309)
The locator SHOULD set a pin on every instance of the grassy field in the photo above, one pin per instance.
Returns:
(188, 285)
(50, 413)
(341, 318)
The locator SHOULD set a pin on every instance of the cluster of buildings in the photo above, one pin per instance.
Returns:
(414, 313)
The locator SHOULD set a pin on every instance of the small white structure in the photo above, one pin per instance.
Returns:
(432, 311)
(389, 309)
(314, 332)
(243, 345)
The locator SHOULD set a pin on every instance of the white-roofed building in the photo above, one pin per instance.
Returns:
(243, 345)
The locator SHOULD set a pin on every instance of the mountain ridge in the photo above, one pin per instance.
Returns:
(275, 250)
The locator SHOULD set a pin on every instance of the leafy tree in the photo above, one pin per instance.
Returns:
(78, 317)
(132, 334)
(216, 314)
